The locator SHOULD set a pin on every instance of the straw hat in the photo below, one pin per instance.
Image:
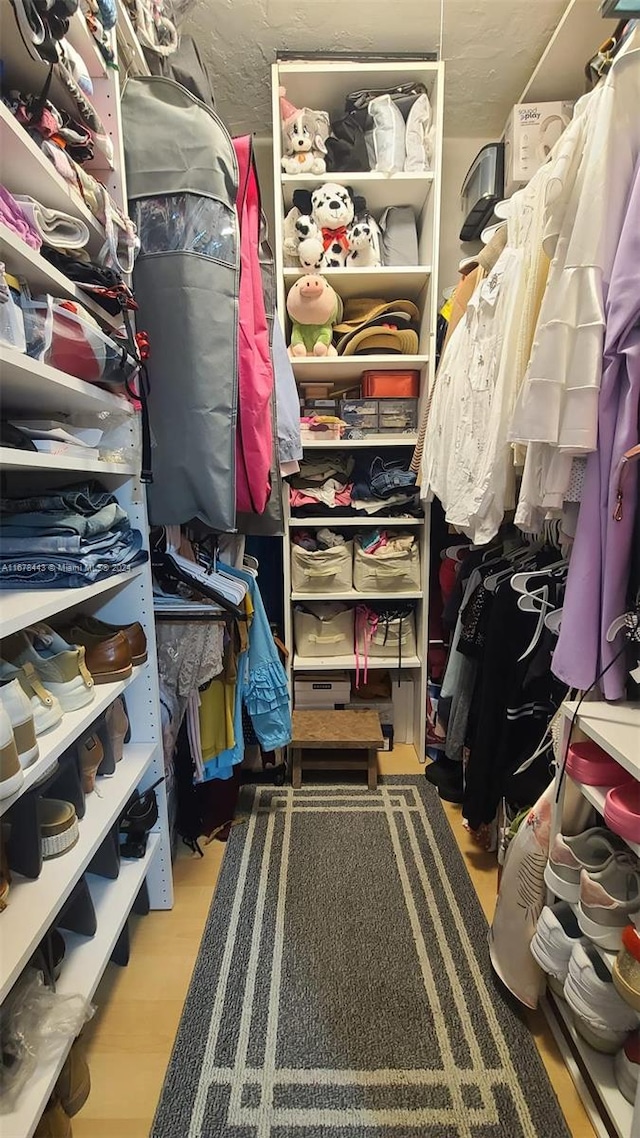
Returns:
(384, 339)
(360, 310)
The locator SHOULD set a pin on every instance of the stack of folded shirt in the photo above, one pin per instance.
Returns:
(65, 538)
(14, 217)
(335, 484)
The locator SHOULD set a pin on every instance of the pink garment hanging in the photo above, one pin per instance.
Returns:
(254, 439)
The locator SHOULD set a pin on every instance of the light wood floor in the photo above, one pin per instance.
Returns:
(129, 1040)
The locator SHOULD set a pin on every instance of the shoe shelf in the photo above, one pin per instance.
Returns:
(31, 386)
(31, 460)
(33, 905)
(373, 442)
(73, 724)
(337, 369)
(28, 171)
(340, 663)
(587, 1067)
(596, 795)
(404, 283)
(614, 726)
(340, 523)
(354, 595)
(23, 261)
(380, 190)
(85, 961)
(20, 608)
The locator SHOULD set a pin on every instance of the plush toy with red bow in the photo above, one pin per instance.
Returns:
(317, 230)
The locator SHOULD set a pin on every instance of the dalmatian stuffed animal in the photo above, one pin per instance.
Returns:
(320, 221)
(365, 244)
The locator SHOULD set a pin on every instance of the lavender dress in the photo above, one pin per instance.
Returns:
(600, 561)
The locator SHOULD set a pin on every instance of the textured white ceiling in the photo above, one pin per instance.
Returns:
(490, 46)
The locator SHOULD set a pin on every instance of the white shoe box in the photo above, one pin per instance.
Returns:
(532, 130)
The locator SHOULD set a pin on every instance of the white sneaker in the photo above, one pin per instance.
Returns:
(603, 1019)
(60, 666)
(556, 934)
(18, 708)
(45, 708)
(608, 900)
(590, 850)
(11, 773)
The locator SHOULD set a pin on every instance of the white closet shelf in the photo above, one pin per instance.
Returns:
(28, 385)
(596, 795)
(11, 459)
(340, 523)
(85, 961)
(128, 42)
(373, 441)
(380, 190)
(386, 283)
(329, 663)
(34, 905)
(21, 607)
(599, 1066)
(80, 37)
(72, 725)
(615, 727)
(26, 170)
(23, 261)
(336, 369)
(353, 595)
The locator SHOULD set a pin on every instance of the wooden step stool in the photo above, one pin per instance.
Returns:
(333, 731)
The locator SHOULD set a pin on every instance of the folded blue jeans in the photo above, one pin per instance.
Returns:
(55, 572)
(80, 498)
(110, 517)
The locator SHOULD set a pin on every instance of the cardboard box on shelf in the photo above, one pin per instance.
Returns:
(532, 130)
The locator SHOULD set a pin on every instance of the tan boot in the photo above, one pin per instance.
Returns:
(91, 754)
(117, 722)
(74, 1082)
(55, 1122)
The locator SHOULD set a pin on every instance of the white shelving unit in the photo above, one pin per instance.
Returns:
(324, 85)
(616, 728)
(29, 387)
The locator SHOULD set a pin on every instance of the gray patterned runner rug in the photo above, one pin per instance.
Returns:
(343, 987)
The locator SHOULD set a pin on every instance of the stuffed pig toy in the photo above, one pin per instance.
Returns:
(314, 307)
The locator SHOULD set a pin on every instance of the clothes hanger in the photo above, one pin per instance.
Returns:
(494, 579)
(553, 621)
(520, 581)
(628, 457)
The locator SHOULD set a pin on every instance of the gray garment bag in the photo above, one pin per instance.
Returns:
(182, 181)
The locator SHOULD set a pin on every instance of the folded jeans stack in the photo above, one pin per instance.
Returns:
(66, 538)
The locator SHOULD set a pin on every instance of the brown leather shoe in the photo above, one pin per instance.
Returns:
(108, 658)
(133, 632)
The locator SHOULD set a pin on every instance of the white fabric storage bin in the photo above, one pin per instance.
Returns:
(323, 570)
(394, 639)
(325, 629)
(387, 572)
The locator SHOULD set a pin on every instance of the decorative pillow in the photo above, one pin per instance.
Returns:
(386, 137)
(419, 137)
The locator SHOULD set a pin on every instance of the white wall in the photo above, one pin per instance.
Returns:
(457, 156)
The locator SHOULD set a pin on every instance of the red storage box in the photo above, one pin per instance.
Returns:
(391, 384)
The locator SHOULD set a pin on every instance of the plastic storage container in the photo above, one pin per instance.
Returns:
(387, 573)
(322, 570)
(64, 339)
(397, 416)
(11, 318)
(325, 629)
(361, 414)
